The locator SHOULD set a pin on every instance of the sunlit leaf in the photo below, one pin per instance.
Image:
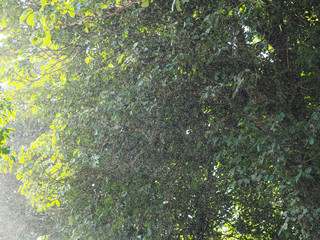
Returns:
(145, 3)
(120, 59)
(31, 20)
(47, 39)
(25, 14)
(72, 13)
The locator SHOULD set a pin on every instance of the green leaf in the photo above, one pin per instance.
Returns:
(280, 117)
(306, 175)
(298, 176)
(308, 169)
(71, 220)
(311, 140)
(178, 6)
(145, 3)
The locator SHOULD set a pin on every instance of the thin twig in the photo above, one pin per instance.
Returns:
(311, 158)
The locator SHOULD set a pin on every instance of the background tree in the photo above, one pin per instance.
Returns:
(170, 120)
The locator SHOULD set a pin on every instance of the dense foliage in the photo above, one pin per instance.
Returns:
(167, 119)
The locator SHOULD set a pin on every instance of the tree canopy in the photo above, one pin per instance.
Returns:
(141, 119)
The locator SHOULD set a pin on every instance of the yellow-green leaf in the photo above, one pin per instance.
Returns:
(43, 2)
(47, 39)
(72, 14)
(120, 59)
(63, 78)
(25, 14)
(53, 17)
(30, 19)
(43, 20)
(145, 3)
(88, 13)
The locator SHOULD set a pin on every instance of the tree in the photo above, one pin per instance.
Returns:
(170, 120)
